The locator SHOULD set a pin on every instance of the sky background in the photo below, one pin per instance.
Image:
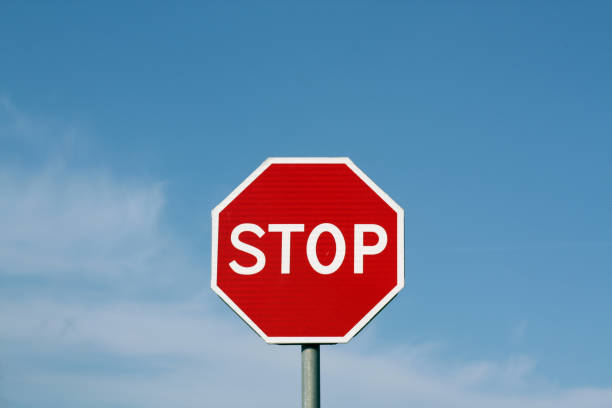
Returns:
(122, 124)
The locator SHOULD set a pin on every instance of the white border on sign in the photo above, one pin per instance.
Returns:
(300, 160)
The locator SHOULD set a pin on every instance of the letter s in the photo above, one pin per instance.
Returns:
(249, 249)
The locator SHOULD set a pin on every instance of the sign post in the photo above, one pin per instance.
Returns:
(307, 251)
(311, 376)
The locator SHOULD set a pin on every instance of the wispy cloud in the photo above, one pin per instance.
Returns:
(57, 222)
(195, 358)
(85, 225)
(40, 136)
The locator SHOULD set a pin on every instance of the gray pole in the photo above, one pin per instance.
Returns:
(311, 380)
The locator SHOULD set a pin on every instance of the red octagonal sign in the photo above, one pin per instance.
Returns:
(307, 250)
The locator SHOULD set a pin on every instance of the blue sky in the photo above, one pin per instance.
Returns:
(123, 125)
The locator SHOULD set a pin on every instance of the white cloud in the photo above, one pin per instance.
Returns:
(201, 359)
(84, 225)
(56, 222)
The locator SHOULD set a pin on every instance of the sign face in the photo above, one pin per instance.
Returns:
(307, 250)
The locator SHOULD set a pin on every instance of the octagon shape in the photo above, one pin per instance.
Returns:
(284, 297)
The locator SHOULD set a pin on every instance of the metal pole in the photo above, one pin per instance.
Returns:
(311, 379)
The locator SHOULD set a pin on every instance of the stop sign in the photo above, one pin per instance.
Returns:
(307, 250)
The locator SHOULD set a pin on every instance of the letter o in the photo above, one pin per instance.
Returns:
(311, 248)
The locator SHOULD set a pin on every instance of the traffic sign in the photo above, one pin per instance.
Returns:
(307, 250)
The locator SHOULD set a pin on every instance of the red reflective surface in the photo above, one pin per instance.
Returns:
(305, 303)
